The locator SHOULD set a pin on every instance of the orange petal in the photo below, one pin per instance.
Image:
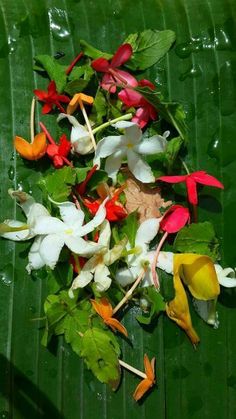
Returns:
(74, 103)
(31, 151)
(116, 325)
(149, 368)
(142, 388)
(103, 308)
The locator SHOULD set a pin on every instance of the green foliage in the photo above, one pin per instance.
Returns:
(149, 47)
(100, 352)
(172, 150)
(92, 52)
(156, 302)
(59, 183)
(54, 70)
(198, 238)
(129, 227)
(167, 289)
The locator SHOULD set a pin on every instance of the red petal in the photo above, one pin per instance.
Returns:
(122, 55)
(173, 179)
(192, 190)
(52, 150)
(64, 146)
(52, 87)
(141, 117)
(130, 97)
(108, 83)
(47, 108)
(58, 162)
(40, 94)
(175, 219)
(115, 212)
(92, 206)
(131, 80)
(148, 83)
(205, 179)
(101, 65)
(82, 186)
(63, 98)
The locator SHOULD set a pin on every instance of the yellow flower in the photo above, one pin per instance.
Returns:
(147, 382)
(77, 100)
(34, 150)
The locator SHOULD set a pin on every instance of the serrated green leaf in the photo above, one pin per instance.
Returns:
(101, 356)
(92, 52)
(54, 70)
(59, 183)
(157, 305)
(198, 238)
(149, 47)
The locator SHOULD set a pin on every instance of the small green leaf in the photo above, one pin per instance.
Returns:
(157, 305)
(129, 227)
(81, 173)
(198, 238)
(99, 109)
(54, 70)
(76, 86)
(101, 355)
(58, 184)
(149, 47)
(100, 176)
(167, 289)
(172, 151)
(92, 52)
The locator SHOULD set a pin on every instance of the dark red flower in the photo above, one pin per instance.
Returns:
(145, 111)
(58, 152)
(51, 98)
(113, 75)
(191, 183)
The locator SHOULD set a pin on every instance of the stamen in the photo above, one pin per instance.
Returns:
(87, 122)
(113, 121)
(71, 66)
(49, 137)
(154, 263)
(32, 113)
(132, 369)
(129, 293)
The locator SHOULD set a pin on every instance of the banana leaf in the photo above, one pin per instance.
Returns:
(199, 72)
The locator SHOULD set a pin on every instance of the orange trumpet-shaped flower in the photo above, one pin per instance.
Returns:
(77, 99)
(147, 382)
(104, 309)
(34, 150)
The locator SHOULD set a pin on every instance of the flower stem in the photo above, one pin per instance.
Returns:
(125, 117)
(32, 113)
(49, 137)
(154, 263)
(185, 166)
(71, 66)
(132, 369)
(195, 213)
(129, 293)
(87, 123)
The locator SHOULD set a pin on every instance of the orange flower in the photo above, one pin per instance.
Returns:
(76, 101)
(104, 309)
(34, 150)
(147, 382)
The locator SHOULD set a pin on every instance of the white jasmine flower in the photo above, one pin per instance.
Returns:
(97, 266)
(80, 137)
(132, 146)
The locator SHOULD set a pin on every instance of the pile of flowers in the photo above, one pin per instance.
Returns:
(111, 219)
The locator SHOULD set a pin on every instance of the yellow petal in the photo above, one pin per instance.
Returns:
(178, 310)
(103, 307)
(142, 388)
(198, 273)
(31, 151)
(74, 103)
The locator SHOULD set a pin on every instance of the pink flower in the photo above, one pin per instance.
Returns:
(191, 183)
(174, 219)
(113, 75)
(145, 110)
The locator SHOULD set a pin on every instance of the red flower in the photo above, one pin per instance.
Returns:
(114, 209)
(51, 98)
(113, 75)
(145, 110)
(174, 219)
(191, 183)
(58, 152)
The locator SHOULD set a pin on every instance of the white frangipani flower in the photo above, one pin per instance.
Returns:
(132, 146)
(80, 137)
(97, 266)
(142, 257)
(53, 234)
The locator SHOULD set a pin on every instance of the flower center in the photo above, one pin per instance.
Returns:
(129, 145)
(69, 231)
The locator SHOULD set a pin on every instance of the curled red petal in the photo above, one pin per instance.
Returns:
(122, 55)
(175, 218)
(192, 190)
(205, 179)
(101, 65)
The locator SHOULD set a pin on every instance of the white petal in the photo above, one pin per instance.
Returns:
(226, 277)
(81, 246)
(153, 145)
(133, 134)
(83, 279)
(102, 278)
(50, 249)
(80, 140)
(127, 276)
(147, 280)
(70, 118)
(146, 232)
(106, 147)
(70, 214)
(35, 259)
(17, 235)
(123, 124)
(140, 169)
(207, 311)
(35, 211)
(96, 221)
(49, 225)
(113, 164)
(105, 234)
(166, 262)
(115, 253)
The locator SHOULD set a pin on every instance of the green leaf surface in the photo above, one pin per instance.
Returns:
(54, 70)
(59, 183)
(156, 302)
(149, 47)
(129, 227)
(199, 72)
(198, 238)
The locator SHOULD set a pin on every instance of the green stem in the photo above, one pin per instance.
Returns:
(185, 166)
(113, 121)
